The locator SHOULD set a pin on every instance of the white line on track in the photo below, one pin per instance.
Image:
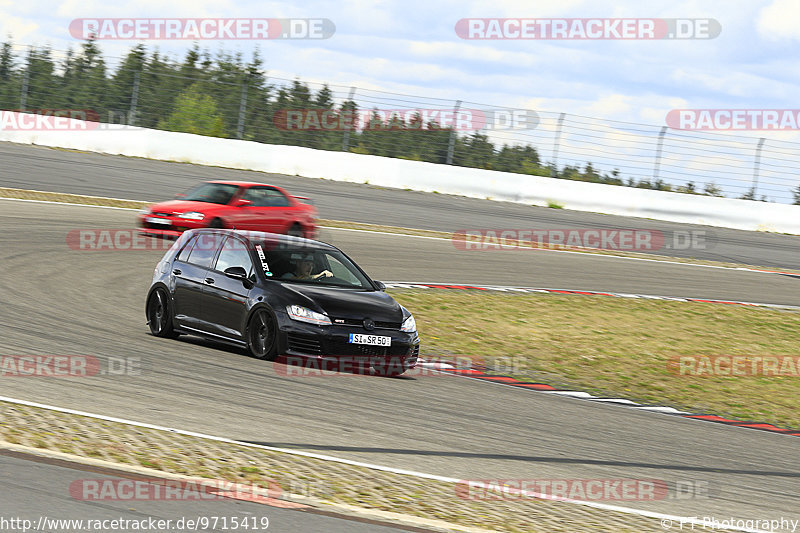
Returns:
(73, 205)
(665, 518)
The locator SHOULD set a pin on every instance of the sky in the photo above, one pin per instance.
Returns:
(412, 47)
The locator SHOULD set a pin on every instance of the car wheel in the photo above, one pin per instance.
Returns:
(216, 224)
(159, 316)
(262, 336)
(295, 231)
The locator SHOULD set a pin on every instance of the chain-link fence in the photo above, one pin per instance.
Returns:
(226, 97)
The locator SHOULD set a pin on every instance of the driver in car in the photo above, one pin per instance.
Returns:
(303, 267)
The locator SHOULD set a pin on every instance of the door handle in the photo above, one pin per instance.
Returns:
(210, 281)
(177, 272)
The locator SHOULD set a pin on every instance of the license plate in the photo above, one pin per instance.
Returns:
(372, 340)
(154, 220)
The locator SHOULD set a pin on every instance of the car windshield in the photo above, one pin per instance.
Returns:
(297, 264)
(212, 193)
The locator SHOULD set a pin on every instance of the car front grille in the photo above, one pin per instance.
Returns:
(359, 323)
(304, 344)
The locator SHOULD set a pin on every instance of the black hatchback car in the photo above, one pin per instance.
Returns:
(279, 295)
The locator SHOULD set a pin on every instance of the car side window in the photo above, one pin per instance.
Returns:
(340, 271)
(275, 198)
(255, 195)
(184, 253)
(234, 253)
(205, 249)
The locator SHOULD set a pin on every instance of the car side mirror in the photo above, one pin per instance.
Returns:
(381, 285)
(243, 203)
(236, 273)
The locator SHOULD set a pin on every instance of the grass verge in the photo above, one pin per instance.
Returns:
(618, 347)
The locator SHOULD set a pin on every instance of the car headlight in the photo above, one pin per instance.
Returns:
(192, 215)
(409, 324)
(303, 314)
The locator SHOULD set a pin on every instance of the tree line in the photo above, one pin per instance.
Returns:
(224, 96)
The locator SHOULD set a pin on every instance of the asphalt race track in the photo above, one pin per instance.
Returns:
(30, 167)
(57, 300)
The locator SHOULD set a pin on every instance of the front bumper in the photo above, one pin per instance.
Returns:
(332, 343)
(167, 226)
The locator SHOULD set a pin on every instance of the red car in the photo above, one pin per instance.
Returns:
(232, 204)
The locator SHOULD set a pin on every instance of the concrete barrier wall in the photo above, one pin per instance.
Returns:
(399, 173)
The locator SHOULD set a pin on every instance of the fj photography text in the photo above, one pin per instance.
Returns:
(714, 523)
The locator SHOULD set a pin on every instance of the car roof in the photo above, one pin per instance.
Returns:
(241, 183)
(266, 236)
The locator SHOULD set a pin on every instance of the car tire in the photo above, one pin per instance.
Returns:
(216, 224)
(159, 315)
(296, 230)
(262, 335)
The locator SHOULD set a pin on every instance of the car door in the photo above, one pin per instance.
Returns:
(253, 216)
(189, 278)
(185, 310)
(277, 210)
(225, 298)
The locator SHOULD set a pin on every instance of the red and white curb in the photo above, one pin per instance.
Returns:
(549, 389)
(499, 288)
(475, 373)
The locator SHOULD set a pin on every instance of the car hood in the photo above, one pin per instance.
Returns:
(182, 206)
(349, 303)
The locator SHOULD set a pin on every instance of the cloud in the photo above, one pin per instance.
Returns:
(19, 28)
(779, 20)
